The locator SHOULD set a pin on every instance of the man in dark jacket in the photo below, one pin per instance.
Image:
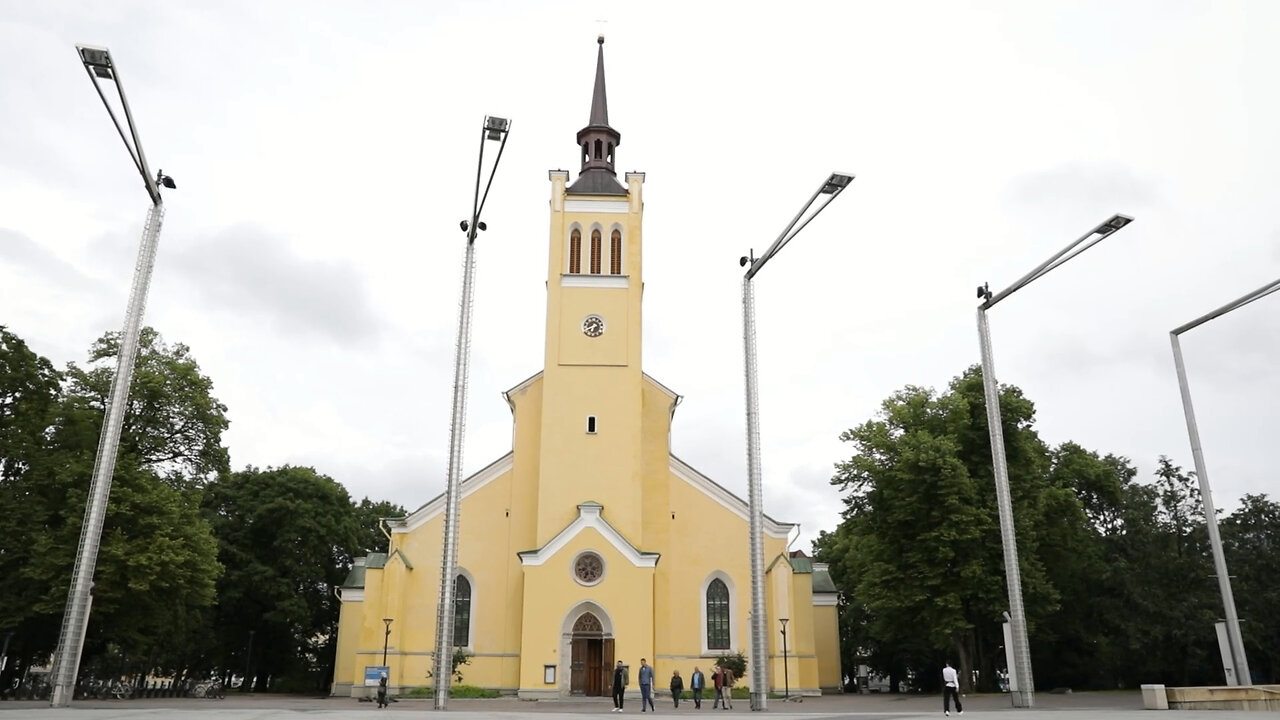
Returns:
(697, 682)
(677, 687)
(619, 686)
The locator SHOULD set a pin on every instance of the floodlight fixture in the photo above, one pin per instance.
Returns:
(836, 183)
(495, 127)
(97, 59)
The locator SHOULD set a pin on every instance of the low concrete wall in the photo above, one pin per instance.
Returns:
(1253, 697)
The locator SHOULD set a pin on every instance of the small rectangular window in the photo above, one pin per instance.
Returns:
(591, 424)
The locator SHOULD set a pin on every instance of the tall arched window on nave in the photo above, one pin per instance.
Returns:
(717, 615)
(462, 612)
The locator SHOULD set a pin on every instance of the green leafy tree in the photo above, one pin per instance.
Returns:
(29, 390)
(923, 550)
(1251, 539)
(369, 516)
(156, 565)
(285, 537)
(173, 424)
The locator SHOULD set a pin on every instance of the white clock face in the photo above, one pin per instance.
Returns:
(593, 326)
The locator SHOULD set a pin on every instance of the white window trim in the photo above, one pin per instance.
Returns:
(733, 612)
(471, 618)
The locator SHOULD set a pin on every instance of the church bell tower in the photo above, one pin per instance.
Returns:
(591, 415)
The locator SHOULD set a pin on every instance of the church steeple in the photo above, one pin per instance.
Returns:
(598, 142)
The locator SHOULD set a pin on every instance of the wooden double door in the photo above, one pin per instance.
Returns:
(591, 666)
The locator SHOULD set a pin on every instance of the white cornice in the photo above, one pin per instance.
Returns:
(595, 281)
(826, 599)
(435, 506)
(589, 517)
(583, 205)
(728, 500)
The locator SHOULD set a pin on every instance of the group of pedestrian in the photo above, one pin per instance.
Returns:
(722, 679)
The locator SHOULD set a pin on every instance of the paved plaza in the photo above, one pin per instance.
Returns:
(1080, 706)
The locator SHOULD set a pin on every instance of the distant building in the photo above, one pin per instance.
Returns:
(589, 542)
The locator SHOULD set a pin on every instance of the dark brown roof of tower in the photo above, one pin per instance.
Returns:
(598, 176)
(599, 103)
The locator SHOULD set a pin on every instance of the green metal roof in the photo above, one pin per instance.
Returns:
(822, 582)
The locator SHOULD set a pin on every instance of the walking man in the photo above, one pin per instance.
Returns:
(646, 687)
(716, 680)
(726, 688)
(950, 689)
(619, 686)
(697, 681)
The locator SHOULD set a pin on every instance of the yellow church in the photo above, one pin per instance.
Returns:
(589, 542)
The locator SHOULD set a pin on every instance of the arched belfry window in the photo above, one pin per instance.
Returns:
(595, 251)
(575, 251)
(615, 253)
(717, 615)
(611, 152)
(462, 612)
(599, 150)
(586, 154)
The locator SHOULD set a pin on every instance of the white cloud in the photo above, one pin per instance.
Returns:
(325, 152)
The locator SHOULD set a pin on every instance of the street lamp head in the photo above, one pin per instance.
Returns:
(165, 180)
(836, 183)
(742, 261)
(479, 226)
(984, 291)
(97, 59)
(1116, 222)
(784, 622)
(495, 127)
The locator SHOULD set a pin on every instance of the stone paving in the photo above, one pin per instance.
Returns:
(1080, 706)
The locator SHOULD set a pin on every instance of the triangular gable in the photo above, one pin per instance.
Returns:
(726, 499)
(435, 506)
(589, 517)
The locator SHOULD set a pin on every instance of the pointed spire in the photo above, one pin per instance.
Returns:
(598, 141)
(599, 103)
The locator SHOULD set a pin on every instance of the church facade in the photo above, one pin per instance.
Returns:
(589, 542)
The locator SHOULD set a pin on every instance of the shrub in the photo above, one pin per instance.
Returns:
(455, 691)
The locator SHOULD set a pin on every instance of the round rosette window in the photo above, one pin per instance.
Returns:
(588, 568)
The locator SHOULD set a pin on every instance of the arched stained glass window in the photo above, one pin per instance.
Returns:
(717, 615)
(595, 252)
(615, 253)
(462, 612)
(575, 252)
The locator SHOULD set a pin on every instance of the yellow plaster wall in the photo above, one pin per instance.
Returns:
(625, 594)
(827, 636)
(344, 670)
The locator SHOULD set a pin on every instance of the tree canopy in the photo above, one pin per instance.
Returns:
(1116, 576)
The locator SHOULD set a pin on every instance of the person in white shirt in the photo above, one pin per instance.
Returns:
(950, 689)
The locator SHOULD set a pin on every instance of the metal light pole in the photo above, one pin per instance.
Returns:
(386, 639)
(1021, 687)
(248, 664)
(786, 677)
(829, 190)
(495, 128)
(1238, 672)
(99, 64)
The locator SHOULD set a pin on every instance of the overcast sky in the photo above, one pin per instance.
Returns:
(325, 152)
